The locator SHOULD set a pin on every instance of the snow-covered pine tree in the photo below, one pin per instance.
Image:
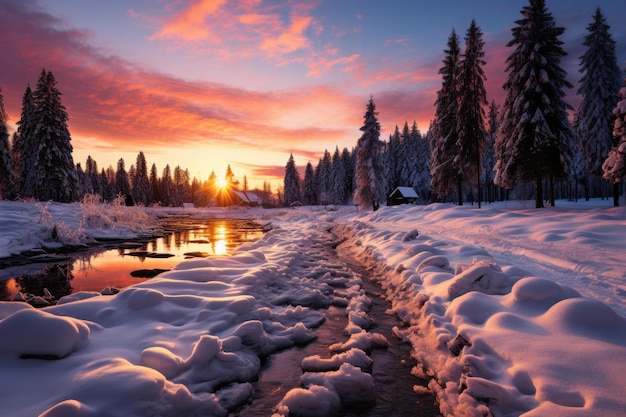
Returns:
(471, 109)
(324, 178)
(348, 165)
(444, 134)
(599, 86)
(309, 187)
(338, 179)
(489, 158)
(24, 146)
(369, 171)
(53, 173)
(141, 190)
(534, 138)
(7, 177)
(406, 158)
(291, 183)
(393, 164)
(614, 167)
(421, 178)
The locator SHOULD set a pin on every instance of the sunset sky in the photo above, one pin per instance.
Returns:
(206, 83)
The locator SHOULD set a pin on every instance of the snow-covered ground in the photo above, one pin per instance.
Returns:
(510, 310)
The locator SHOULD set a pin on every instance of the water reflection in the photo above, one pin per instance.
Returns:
(111, 265)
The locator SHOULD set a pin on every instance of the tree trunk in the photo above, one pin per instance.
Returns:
(616, 187)
(552, 199)
(539, 192)
(459, 189)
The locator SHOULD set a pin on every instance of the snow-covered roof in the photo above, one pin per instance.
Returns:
(248, 197)
(407, 192)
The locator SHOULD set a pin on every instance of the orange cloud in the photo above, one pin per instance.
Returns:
(191, 22)
(291, 39)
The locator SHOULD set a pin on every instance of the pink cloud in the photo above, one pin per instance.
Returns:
(191, 22)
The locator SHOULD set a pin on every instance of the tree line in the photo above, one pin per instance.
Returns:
(477, 151)
(37, 163)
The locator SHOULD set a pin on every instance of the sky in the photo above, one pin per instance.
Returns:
(203, 84)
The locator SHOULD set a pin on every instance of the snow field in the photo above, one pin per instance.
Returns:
(510, 311)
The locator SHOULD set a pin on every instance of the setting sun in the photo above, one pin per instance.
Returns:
(222, 183)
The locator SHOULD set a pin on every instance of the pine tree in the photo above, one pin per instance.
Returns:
(291, 183)
(7, 177)
(83, 183)
(338, 173)
(181, 186)
(24, 146)
(122, 182)
(393, 161)
(91, 169)
(309, 187)
(493, 124)
(324, 178)
(444, 132)
(154, 185)
(211, 187)
(369, 171)
(421, 179)
(166, 187)
(614, 167)
(599, 87)
(141, 191)
(471, 112)
(230, 178)
(53, 173)
(348, 166)
(533, 140)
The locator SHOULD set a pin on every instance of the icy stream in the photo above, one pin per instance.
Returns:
(391, 368)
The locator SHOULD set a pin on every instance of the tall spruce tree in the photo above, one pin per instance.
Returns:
(444, 132)
(309, 187)
(471, 109)
(291, 183)
(369, 171)
(53, 173)
(421, 181)
(534, 138)
(348, 165)
(7, 177)
(599, 87)
(493, 124)
(141, 191)
(24, 146)
(614, 167)
(340, 195)
(122, 182)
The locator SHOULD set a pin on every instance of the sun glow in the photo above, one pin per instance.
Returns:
(222, 183)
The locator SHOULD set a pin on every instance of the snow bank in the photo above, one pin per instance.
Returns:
(494, 337)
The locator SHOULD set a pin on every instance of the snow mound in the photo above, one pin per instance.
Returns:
(31, 333)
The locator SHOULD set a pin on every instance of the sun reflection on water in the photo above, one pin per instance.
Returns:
(112, 267)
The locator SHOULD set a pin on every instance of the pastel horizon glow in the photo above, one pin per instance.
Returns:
(206, 83)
